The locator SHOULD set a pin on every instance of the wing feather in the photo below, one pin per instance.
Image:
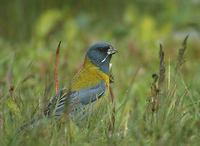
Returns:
(78, 99)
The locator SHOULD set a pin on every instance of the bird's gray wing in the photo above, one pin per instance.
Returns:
(53, 101)
(75, 99)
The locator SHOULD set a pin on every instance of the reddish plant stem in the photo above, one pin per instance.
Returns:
(56, 68)
(112, 124)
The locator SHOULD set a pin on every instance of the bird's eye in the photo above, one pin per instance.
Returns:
(104, 49)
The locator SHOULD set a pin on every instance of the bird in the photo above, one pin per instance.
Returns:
(87, 91)
(88, 86)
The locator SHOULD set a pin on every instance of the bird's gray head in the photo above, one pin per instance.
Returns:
(100, 55)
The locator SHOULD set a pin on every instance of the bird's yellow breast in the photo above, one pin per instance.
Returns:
(89, 75)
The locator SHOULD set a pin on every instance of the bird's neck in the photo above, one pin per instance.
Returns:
(104, 67)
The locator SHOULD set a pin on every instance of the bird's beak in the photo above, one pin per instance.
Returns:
(111, 51)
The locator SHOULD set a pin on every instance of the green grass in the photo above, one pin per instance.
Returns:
(27, 83)
(148, 111)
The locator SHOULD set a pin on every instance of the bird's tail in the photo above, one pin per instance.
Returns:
(29, 124)
(48, 111)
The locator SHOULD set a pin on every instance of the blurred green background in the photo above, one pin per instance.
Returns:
(31, 29)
